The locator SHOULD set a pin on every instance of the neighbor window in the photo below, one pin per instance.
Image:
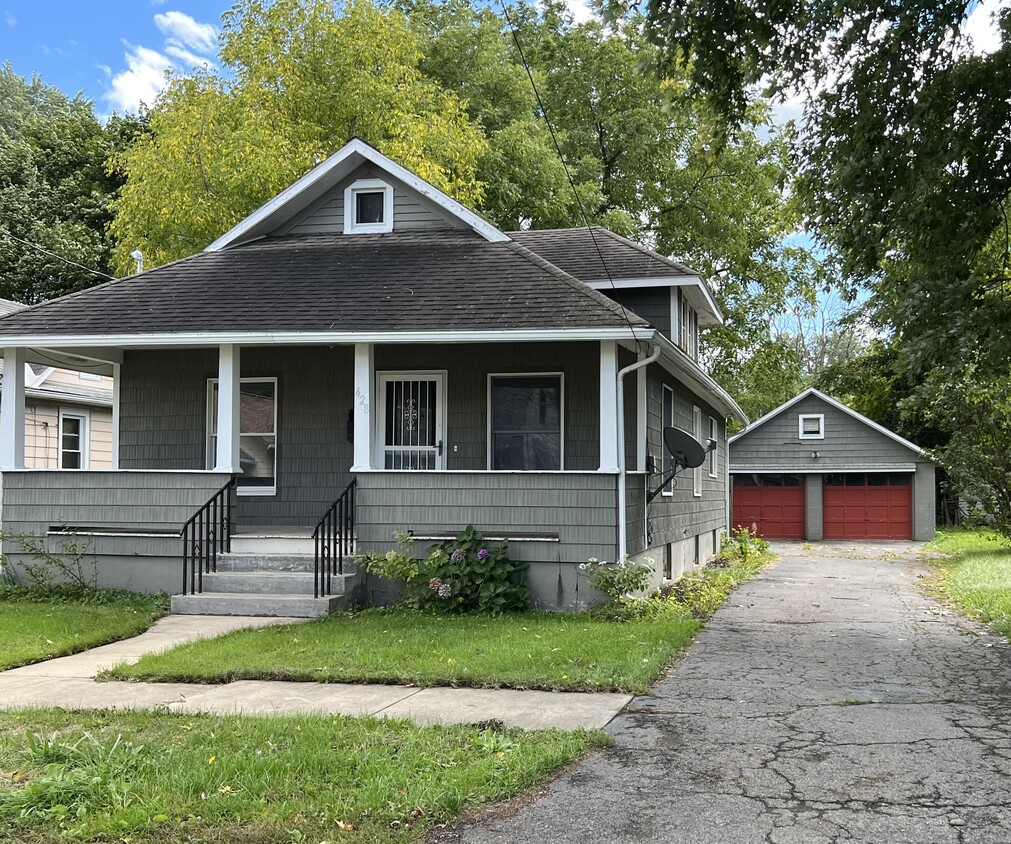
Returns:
(668, 422)
(526, 421)
(73, 441)
(812, 426)
(257, 434)
(368, 207)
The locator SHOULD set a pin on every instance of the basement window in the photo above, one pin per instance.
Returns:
(368, 207)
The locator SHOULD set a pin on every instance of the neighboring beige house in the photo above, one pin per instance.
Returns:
(68, 415)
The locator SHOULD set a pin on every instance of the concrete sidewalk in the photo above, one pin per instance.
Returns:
(68, 683)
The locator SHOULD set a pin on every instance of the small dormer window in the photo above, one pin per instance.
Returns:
(812, 426)
(368, 207)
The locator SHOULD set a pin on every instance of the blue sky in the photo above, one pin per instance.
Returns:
(114, 51)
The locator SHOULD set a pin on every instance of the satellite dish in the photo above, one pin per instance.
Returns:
(688, 452)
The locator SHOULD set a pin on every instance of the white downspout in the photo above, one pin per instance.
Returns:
(622, 529)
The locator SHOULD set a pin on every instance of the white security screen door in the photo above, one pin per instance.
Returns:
(412, 419)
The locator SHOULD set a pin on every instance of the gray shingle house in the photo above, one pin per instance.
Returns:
(816, 469)
(363, 355)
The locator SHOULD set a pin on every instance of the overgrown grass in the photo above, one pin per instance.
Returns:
(160, 777)
(977, 577)
(586, 652)
(521, 650)
(42, 624)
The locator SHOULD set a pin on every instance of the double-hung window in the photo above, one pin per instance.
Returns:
(714, 435)
(73, 452)
(697, 433)
(257, 434)
(525, 416)
(667, 464)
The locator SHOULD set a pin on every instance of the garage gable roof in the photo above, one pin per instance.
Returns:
(811, 391)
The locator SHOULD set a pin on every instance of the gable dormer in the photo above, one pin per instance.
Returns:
(357, 190)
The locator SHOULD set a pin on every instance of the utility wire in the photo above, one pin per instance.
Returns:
(568, 175)
(54, 255)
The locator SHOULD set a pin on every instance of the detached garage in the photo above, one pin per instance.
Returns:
(816, 469)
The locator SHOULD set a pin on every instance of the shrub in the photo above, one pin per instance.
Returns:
(464, 574)
(619, 581)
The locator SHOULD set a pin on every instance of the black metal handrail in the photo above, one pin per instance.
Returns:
(334, 539)
(206, 533)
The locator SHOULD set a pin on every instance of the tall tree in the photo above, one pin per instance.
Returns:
(298, 79)
(55, 191)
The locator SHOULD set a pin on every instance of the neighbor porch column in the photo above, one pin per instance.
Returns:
(229, 382)
(12, 410)
(364, 399)
(608, 406)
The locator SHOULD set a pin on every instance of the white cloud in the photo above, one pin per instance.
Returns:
(581, 10)
(981, 26)
(188, 44)
(9, 18)
(187, 32)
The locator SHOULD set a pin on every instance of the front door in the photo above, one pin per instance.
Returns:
(411, 416)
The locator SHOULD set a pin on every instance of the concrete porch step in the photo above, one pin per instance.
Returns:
(273, 543)
(244, 562)
(238, 603)
(271, 582)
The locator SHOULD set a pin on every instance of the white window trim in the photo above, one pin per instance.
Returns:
(714, 434)
(561, 416)
(351, 226)
(697, 471)
(85, 418)
(240, 490)
(821, 426)
(668, 489)
(441, 427)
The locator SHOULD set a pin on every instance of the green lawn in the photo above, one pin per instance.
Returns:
(161, 777)
(977, 577)
(525, 651)
(35, 626)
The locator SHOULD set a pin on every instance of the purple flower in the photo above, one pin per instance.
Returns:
(458, 556)
(482, 554)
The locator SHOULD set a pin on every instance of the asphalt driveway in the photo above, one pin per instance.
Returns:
(829, 701)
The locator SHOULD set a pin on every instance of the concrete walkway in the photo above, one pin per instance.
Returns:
(831, 701)
(67, 682)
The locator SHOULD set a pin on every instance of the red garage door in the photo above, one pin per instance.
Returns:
(868, 506)
(773, 503)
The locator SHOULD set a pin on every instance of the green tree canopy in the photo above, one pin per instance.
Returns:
(55, 192)
(299, 78)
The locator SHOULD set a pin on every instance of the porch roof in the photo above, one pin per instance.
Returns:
(406, 282)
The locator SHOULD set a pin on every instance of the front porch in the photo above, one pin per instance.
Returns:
(295, 424)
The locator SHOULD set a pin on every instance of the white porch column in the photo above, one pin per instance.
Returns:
(640, 417)
(364, 398)
(608, 406)
(12, 411)
(115, 415)
(227, 457)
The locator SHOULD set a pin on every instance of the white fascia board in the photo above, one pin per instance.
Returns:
(678, 363)
(821, 470)
(326, 175)
(811, 391)
(707, 305)
(310, 338)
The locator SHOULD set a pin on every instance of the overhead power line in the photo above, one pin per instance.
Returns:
(55, 255)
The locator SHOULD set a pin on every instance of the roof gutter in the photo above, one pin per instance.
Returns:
(622, 527)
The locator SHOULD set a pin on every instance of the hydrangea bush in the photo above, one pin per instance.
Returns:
(464, 574)
(620, 581)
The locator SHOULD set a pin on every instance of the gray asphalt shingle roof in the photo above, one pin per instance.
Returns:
(578, 253)
(434, 280)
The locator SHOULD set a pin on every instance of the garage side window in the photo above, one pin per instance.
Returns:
(257, 433)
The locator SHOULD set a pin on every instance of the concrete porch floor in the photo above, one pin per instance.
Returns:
(68, 683)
